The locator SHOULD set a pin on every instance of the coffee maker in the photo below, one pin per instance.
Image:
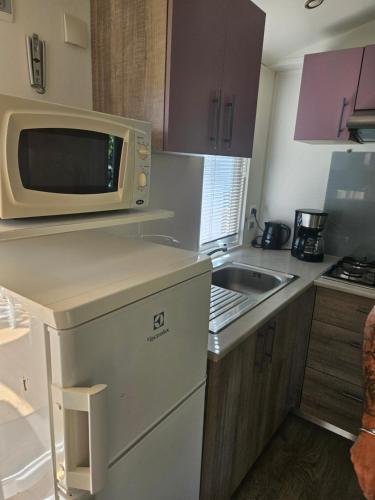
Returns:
(308, 243)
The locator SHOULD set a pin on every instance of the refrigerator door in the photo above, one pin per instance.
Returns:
(166, 464)
(151, 355)
(26, 468)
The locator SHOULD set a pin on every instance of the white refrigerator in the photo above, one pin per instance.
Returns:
(103, 350)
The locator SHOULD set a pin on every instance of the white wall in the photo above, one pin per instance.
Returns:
(357, 37)
(258, 161)
(297, 173)
(68, 67)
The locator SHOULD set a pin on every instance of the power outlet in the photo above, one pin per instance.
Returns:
(253, 211)
(250, 219)
(6, 10)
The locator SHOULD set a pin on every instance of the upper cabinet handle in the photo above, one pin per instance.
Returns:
(340, 128)
(228, 122)
(215, 105)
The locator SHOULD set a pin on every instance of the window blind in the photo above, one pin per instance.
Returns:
(223, 195)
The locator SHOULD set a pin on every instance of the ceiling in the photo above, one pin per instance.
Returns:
(290, 27)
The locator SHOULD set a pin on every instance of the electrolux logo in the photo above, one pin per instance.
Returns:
(159, 322)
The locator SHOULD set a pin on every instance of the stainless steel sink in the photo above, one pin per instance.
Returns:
(237, 288)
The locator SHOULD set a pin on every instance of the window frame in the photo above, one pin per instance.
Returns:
(235, 240)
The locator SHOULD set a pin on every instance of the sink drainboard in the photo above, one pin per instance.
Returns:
(222, 300)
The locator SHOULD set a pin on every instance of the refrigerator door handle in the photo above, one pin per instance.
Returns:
(80, 423)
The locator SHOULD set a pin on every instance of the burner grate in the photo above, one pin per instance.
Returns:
(359, 271)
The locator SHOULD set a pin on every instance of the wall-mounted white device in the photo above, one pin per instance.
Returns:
(75, 31)
(36, 58)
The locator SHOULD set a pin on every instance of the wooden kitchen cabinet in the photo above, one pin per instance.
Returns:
(366, 88)
(240, 80)
(332, 400)
(336, 351)
(249, 393)
(191, 68)
(333, 385)
(342, 309)
(327, 96)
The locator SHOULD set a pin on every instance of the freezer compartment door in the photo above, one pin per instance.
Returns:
(150, 354)
(166, 464)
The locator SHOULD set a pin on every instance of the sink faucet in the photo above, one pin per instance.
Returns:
(218, 249)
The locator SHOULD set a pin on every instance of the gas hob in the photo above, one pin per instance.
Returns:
(356, 271)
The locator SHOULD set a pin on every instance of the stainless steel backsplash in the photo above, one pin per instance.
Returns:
(350, 202)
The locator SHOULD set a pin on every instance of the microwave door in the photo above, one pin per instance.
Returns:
(69, 161)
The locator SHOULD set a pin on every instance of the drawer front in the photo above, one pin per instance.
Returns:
(332, 400)
(336, 351)
(342, 309)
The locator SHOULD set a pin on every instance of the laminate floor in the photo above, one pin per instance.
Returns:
(302, 462)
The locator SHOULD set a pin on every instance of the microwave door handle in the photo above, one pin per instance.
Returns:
(92, 401)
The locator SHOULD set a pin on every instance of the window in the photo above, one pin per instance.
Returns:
(224, 183)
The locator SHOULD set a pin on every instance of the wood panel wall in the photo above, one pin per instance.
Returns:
(128, 59)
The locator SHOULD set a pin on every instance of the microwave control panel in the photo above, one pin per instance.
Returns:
(142, 170)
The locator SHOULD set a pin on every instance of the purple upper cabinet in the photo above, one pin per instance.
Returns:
(196, 39)
(366, 88)
(327, 97)
(212, 74)
(243, 54)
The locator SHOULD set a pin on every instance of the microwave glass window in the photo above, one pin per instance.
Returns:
(70, 161)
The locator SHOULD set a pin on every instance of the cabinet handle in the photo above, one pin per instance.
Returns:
(270, 341)
(352, 397)
(260, 349)
(340, 128)
(356, 345)
(228, 123)
(215, 105)
(264, 347)
(362, 310)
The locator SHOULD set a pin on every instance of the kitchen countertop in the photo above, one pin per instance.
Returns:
(342, 286)
(278, 260)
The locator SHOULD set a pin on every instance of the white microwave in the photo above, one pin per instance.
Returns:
(58, 160)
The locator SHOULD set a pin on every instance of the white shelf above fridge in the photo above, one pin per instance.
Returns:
(39, 226)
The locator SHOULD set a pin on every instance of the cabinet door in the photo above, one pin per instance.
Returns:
(243, 53)
(366, 89)
(248, 397)
(342, 309)
(280, 346)
(332, 400)
(251, 421)
(328, 90)
(336, 351)
(195, 52)
(229, 445)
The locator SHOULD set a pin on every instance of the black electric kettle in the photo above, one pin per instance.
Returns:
(275, 235)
